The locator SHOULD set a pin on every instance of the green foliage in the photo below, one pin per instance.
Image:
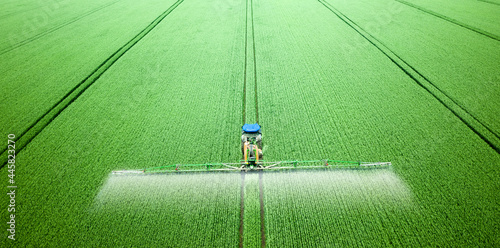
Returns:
(324, 92)
(341, 98)
(446, 50)
(38, 74)
(178, 102)
(167, 210)
(341, 208)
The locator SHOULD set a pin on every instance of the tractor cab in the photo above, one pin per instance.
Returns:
(251, 144)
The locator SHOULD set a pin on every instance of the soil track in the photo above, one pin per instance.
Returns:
(261, 196)
(242, 207)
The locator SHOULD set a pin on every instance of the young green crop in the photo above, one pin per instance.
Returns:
(337, 96)
(337, 208)
(324, 92)
(166, 210)
(175, 97)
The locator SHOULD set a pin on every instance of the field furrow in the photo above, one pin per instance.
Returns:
(480, 128)
(17, 42)
(29, 23)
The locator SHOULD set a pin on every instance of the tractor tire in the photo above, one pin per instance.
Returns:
(259, 141)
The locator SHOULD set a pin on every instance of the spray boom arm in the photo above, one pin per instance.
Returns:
(262, 165)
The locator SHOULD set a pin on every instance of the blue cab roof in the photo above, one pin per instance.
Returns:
(251, 128)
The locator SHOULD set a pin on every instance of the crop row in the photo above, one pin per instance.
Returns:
(479, 15)
(251, 220)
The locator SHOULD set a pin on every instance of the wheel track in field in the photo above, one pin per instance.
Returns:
(245, 81)
(261, 192)
(254, 68)
(246, 62)
(451, 20)
(43, 121)
(483, 131)
(262, 214)
(55, 28)
(490, 2)
(242, 207)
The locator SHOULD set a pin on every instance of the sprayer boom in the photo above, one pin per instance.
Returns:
(263, 165)
(251, 148)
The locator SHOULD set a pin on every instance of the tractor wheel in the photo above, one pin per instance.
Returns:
(259, 141)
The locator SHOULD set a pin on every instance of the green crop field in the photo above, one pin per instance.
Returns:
(92, 87)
